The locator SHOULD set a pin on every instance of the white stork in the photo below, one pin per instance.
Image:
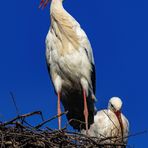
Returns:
(110, 125)
(71, 66)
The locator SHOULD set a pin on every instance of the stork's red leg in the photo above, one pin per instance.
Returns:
(59, 111)
(85, 111)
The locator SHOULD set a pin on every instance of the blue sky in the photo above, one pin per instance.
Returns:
(118, 31)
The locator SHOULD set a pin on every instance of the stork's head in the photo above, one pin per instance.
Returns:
(44, 3)
(115, 104)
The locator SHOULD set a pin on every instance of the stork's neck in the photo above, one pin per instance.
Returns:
(56, 1)
(62, 25)
(56, 5)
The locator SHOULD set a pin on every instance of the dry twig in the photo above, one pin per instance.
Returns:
(14, 134)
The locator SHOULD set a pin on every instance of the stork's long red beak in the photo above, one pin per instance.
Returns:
(43, 3)
(118, 115)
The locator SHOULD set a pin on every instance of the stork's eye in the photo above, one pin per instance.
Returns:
(112, 106)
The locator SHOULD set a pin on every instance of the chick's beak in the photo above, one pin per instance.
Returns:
(118, 115)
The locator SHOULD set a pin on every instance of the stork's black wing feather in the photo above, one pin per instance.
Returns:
(93, 73)
(74, 104)
(93, 78)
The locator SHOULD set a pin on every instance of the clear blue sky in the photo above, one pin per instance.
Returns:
(118, 31)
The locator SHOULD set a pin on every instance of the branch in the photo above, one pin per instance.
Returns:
(22, 117)
(48, 120)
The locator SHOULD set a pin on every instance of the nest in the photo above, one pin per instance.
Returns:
(17, 133)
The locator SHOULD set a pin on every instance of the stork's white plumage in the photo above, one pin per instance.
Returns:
(71, 65)
(110, 124)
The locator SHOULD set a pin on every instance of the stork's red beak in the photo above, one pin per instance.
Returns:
(43, 3)
(118, 115)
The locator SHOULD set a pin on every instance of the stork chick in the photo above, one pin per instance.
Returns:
(110, 125)
(71, 66)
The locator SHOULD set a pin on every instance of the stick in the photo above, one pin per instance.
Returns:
(21, 117)
(43, 123)
(14, 102)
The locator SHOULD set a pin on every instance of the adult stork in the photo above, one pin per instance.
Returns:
(110, 125)
(71, 66)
